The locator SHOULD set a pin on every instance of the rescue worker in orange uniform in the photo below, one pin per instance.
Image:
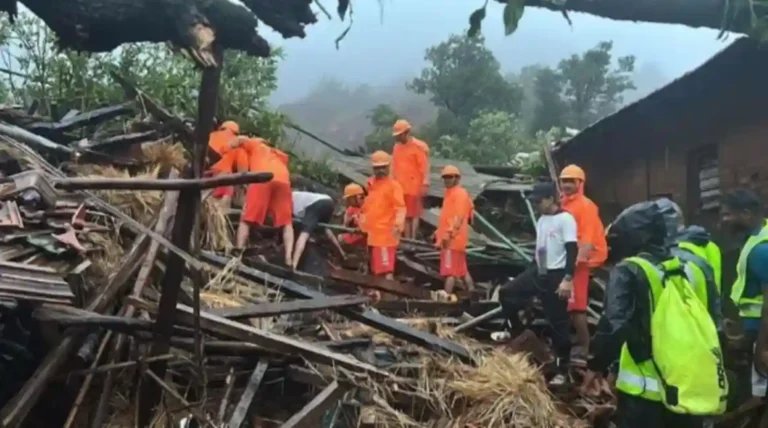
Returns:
(353, 197)
(231, 160)
(273, 197)
(453, 230)
(593, 251)
(382, 216)
(410, 167)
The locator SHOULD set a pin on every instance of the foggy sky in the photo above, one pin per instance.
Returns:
(382, 49)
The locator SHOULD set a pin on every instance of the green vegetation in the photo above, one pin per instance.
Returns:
(484, 117)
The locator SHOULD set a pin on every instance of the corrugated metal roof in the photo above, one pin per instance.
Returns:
(358, 169)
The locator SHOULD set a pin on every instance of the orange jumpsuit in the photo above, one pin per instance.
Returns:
(410, 167)
(590, 231)
(350, 220)
(453, 232)
(231, 160)
(273, 197)
(381, 218)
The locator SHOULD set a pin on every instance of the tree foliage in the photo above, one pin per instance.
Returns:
(593, 87)
(493, 138)
(582, 89)
(382, 118)
(464, 78)
(65, 80)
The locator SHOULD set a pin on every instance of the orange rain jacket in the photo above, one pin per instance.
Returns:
(262, 158)
(589, 227)
(455, 216)
(382, 215)
(231, 160)
(410, 166)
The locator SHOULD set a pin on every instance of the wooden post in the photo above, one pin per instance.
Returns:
(187, 215)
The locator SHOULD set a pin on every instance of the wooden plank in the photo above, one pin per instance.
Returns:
(367, 317)
(270, 341)
(379, 283)
(434, 307)
(164, 222)
(296, 306)
(309, 416)
(80, 183)
(14, 412)
(241, 411)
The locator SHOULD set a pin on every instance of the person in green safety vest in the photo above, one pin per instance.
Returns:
(694, 246)
(741, 212)
(639, 238)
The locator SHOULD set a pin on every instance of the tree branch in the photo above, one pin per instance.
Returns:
(698, 13)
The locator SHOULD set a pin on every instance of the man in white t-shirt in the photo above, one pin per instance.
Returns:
(550, 278)
(312, 209)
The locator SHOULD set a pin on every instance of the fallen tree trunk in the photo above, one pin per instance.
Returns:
(102, 25)
(716, 14)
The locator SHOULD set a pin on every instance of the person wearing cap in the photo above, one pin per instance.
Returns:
(550, 277)
(273, 197)
(231, 160)
(410, 167)
(312, 209)
(593, 251)
(353, 198)
(382, 216)
(453, 230)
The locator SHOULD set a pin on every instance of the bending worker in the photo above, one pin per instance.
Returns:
(453, 231)
(231, 160)
(382, 216)
(593, 250)
(312, 209)
(273, 197)
(410, 167)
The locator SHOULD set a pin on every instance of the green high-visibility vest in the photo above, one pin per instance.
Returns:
(711, 253)
(749, 306)
(702, 275)
(641, 379)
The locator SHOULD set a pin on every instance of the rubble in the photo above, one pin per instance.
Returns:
(91, 247)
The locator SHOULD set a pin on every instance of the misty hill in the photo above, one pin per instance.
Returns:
(338, 112)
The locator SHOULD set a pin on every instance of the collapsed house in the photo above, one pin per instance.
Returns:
(87, 205)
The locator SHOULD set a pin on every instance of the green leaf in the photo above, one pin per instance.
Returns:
(476, 20)
(513, 11)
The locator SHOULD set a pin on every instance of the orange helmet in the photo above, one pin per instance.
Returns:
(353, 190)
(400, 126)
(450, 170)
(380, 158)
(231, 125)
(573, 172)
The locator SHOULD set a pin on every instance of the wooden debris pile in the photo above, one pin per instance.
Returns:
(88, 337)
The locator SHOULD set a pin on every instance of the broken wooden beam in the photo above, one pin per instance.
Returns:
(490, 315)
(241, 410)
(309, 416)
(367, 317)
(34, 140)
(296, 306)
(435, 307)
(198, 184)
(164, 222)
(271, 341)
(92, 117)
(379, 283)
(16, 410)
